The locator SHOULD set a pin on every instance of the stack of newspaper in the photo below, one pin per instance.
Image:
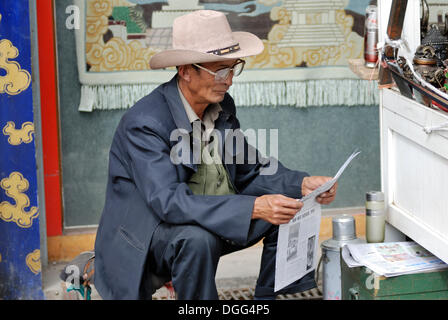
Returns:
(391, 259)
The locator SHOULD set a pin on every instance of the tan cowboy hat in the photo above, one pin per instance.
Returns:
(205, 36)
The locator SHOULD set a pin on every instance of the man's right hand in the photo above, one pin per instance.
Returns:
(275, 208)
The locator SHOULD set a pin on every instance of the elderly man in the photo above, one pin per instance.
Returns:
(171, 214)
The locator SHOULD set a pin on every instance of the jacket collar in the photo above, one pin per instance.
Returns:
(177, 109)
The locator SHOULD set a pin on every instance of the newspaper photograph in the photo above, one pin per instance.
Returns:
(298, 240)
(392, 259)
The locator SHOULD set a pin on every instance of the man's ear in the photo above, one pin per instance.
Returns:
(184, 72)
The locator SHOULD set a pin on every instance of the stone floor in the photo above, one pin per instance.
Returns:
(235, 279)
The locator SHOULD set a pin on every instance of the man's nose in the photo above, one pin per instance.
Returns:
(229, 80)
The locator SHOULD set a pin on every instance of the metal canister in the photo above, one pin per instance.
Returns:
(371, 36)
(344, 232)
(375, 217)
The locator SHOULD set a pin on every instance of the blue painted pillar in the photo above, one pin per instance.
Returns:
(20, 264)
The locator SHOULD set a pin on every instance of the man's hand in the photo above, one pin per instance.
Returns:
(275, 208)
(311, 183)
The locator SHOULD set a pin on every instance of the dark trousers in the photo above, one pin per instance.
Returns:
(189, 256)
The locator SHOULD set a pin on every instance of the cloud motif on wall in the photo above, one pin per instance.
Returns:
(19, 136)
(16, 186)
(33, 261)
(16, 80)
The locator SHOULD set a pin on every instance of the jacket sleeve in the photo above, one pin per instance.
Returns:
(156, 178)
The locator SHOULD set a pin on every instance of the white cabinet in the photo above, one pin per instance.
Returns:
(414, 170)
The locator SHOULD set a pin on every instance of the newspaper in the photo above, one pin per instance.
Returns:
(298, 240)
(327, 186)
(391, 259)
(297, 245)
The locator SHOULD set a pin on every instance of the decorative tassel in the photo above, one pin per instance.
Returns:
(299, 94)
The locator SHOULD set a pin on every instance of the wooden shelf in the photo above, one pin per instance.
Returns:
(357, 66)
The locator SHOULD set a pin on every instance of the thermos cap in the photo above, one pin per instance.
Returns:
(344, 227)
(375, 196)
(371, 8)
(344, 232)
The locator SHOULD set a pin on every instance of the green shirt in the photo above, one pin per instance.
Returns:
(211, 178)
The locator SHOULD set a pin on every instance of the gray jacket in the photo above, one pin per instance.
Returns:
(145, 187)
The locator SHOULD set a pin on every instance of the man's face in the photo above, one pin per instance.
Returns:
(203, 85)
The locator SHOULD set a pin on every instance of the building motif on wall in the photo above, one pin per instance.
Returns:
(15, 187)
(19, 136)
(313, 23)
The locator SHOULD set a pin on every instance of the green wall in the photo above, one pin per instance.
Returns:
(314, 139)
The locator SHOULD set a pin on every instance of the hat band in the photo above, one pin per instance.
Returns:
(223, 51)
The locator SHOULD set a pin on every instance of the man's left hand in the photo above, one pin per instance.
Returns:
(309, 184)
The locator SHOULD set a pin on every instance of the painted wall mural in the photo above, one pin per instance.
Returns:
(123, 35)
(117, 38)
(20, 264)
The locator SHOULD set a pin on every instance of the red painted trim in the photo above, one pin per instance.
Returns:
(49, 116)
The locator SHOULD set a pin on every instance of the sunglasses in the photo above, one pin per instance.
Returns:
(221, 75)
